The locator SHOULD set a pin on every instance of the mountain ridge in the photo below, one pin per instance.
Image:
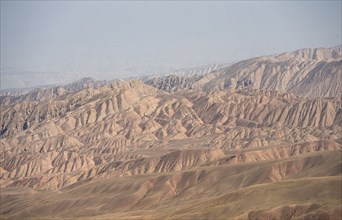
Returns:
(284, 72)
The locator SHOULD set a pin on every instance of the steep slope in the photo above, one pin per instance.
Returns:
(306, 72)
(129, 128)
(174, 83)
(295, 72)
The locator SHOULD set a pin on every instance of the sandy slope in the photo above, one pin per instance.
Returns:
(310, 183)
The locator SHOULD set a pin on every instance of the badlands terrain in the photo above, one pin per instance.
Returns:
(258, 139)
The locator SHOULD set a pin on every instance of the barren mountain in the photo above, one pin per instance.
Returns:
(130, 150)
(43, 93)
(305, 72)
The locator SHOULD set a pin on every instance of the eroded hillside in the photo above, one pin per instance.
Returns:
(127, 146)
(306, 72)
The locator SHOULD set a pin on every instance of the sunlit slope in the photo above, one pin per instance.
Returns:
(304, 186)
(315, 72)
(129, 150)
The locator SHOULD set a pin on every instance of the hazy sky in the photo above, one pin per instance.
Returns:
(59, 41)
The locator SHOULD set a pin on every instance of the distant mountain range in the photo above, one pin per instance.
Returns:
(43, 93)
(306, 72)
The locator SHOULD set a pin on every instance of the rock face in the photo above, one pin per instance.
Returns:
(307, 72)
(174, 83)
(223, 149)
